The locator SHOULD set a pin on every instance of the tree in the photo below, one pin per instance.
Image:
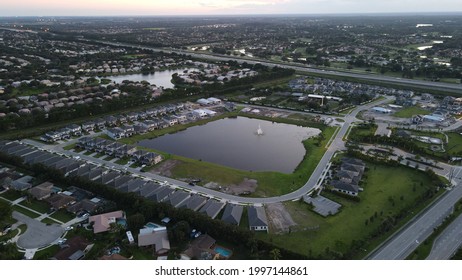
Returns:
(275, 254)
(135, 221)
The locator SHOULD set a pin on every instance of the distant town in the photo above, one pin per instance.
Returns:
(231, 138)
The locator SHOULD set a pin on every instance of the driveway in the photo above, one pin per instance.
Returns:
(37, 234)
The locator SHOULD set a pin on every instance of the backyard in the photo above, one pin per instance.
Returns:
(314, 235)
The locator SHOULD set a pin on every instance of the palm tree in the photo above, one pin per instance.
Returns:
(275, 254)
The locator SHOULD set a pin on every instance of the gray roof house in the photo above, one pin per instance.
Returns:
(347, 188)
(194, 202)
(232, 214)
(148, 189)
(212, 207)
(257, 219)
(178, 198)
(161, 194)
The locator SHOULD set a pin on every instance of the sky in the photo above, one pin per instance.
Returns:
(219, 7)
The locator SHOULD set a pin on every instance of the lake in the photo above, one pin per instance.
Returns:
(158, 78)
(234, 142)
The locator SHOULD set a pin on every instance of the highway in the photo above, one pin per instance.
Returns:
(456, 88)
(447, 243)
(405, 241)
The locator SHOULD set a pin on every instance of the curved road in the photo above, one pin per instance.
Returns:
(336, 145)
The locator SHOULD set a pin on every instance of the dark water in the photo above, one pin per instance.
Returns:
(159, 78)
(234, 142)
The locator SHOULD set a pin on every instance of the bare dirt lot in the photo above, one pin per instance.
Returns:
(164, 169)
(279, 218)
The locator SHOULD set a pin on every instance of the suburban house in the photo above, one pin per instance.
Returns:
(60, 200)
(129, 130)
(170, 120)
(88, 205)
(204, 102)
(194, 202)
(125, 151)
(110, 120)
(155, 237)
(346, 188)
(115, 133)
(348, 176)
(42, 191)
(74, 249)
(100, 123)
(232, 214)
(75, 129)
(88, 126)
(141, 128)
(201, 248)
(257, 219)
(151, 158)
(212, 207)
(102, 222)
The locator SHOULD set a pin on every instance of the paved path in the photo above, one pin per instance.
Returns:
(405, 241)
(447, 243)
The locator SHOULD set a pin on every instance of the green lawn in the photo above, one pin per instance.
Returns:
(269, 183)
(46, 253)
(384, 184)
(411, 111)
(63, 216)
(69, 147)
(454, 146)
(122, 161)
(12, 195)
(25, 211)
(48, 221)
(39, 206)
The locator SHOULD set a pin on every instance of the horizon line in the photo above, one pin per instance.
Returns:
(245, 15)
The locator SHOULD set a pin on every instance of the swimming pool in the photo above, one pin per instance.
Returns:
(223, 251)
(152, 225)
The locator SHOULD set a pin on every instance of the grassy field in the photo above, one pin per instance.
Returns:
(314, 234)
(411, 111)
(269, 183)
(454, 146)
(39, 206)
(63, 216)
(25, 211)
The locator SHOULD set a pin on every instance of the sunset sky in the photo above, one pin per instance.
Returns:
(218, 7)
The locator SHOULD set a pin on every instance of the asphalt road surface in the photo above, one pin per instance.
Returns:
(402, 244)
(37, 234)
(447, 243)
